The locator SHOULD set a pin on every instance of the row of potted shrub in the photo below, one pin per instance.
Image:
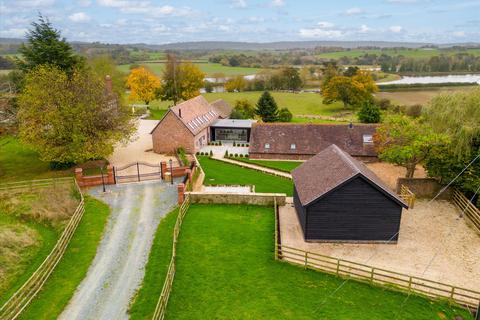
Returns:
(214, 143)
(240, 144)
(201, 153)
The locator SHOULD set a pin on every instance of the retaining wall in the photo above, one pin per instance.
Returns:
(238, 198)
(424, 187)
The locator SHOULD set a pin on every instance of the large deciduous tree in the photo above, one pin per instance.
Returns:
(267, 108)
(70, 119)
(180, 81)
(46, 46)
(143, 85)
(352, 91)
(406, 142)
(292, 78)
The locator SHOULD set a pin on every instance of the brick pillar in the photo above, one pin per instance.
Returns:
(79, 176)
(163, 168)
(181, 193)
(188, 173)
(110, 177)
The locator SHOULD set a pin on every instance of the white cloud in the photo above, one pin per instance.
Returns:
(396, 29)
(277, 3)
(13, 33)
(354, 11)
(320, 33)
(239, 3)
(460, 34)
(79, 17)
(364, 29)
(325, 24)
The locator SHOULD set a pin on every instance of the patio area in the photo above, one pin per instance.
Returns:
(219, 151)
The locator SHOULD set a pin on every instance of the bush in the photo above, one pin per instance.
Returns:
(284, 115)
(414, 111)
(220, 143)
(246, 156)
(197, 153)
(241, 155)
(369, 113)
(234, 144)
(383, 104)
(236, 155)
(226, 153)
(211, 153)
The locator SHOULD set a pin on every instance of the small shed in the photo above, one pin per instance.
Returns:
(337, 198)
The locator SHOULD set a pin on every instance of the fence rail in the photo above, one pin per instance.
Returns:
(23, 296)
(162, 302)
(407, 195)
(34, 184)
(379, 276)
(468, 208)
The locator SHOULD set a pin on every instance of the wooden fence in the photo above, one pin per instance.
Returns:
(408, 196)
(468, 208)
(162, 302)
(23, 296)
(34, 184)
(379, 276)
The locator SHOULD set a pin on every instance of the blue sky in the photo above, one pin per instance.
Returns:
(157, 22)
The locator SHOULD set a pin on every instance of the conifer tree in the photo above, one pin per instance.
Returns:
(267, 108)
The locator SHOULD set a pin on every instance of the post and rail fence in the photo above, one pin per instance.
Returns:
(467, 208)
(408, 196)
(23, 296)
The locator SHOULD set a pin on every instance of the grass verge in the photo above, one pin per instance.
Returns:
(285, 166)
(60, 287)
(221, 173)
(143, 306)
(227, 271)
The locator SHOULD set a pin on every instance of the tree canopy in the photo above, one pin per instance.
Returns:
(46, 46)
(267, 108)
(369, 113)
(70, 119)
(352, 91)
(143, 85)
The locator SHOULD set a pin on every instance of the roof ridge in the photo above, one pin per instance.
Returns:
(347, 158)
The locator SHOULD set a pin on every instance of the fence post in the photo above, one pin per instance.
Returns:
(409, 283)
(338, 266)
(452, 293)
(138, 172)
(306, 259)
(372, 272)
(114, 175)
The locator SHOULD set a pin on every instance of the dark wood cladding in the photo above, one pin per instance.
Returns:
(299, 209)
(357, 211)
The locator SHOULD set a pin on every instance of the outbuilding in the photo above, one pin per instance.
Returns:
(337, 198)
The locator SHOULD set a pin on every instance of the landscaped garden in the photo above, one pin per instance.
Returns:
(227, 271)
(285, 166)
(221, 173)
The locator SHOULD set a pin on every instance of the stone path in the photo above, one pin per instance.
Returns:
(255, 167)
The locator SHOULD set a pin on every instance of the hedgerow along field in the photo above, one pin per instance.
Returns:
(220, 173)
(208, 68)
(424, 53)
(228, 271)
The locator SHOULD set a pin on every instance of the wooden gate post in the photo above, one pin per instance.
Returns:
(163, 169)
(138, 172)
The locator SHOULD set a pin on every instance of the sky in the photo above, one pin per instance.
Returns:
(158, 22)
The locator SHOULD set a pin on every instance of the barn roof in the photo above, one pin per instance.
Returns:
(310, 139)
(196, 114)
(222, 107)
(330, 169)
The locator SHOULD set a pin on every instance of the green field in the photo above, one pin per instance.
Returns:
(409, 53)
(19, 162)
(285, 166)
(221, 173)
(208, 68)
(226, 270)
(62, 283)
(146, 298)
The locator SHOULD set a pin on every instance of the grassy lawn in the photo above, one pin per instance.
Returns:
(227, 271)
(145, 301)
(422, 96)
(60, 287)
(285, 166)
(208, 68)
(221, 173)
(19, 162)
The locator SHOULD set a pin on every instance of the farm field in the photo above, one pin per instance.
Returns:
(285, 166)
(409, 53)
(19, 162)
(146, 298)
(73, 267)
(30, 223)
(422, 96)
(228, 271)
(220, 173)
(208, 68)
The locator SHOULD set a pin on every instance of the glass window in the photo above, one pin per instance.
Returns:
(367, 138)
(267, 145)
(293, 146)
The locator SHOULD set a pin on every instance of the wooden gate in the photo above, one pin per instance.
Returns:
(137, 171)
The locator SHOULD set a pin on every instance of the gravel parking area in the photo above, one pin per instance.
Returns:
(118, 267)
(430, 231)
(389, 173)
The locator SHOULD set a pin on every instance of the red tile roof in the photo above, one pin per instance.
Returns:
(329, 169)
(310, 139)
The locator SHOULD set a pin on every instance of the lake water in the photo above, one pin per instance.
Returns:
(466, 78)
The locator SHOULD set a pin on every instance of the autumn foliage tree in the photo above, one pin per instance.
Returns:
(352, 91)
(143, 85)
(70, 118)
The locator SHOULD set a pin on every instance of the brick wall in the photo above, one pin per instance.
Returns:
(171, 134)
(282, 156)
(90, 181)
(238, 198)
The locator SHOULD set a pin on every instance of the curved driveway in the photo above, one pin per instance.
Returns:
(118, 267)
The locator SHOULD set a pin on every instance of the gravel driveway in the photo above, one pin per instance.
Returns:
(118, 267)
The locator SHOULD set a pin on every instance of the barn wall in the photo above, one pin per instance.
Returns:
(171, 134)
(356, 211)
(299, 209)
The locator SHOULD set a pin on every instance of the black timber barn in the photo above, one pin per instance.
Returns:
(337, 198)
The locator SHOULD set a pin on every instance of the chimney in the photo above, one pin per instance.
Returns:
(108, 84)
(180, 112)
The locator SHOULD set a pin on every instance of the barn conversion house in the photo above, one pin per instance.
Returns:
(303, 141)
(337, 198)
